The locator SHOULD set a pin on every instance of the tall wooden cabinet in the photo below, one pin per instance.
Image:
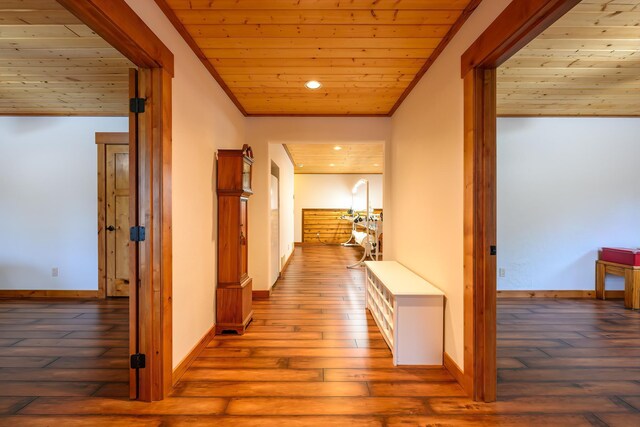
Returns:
(234, 311)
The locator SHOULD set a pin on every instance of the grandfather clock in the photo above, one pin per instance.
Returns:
(233, 296)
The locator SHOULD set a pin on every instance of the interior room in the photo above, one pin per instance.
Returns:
(566, 146)
(481, 151)
(65, 213)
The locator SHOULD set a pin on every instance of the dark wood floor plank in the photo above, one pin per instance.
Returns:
(619, 420)
(416, 389)
(326, 405)
(403, 374)
(584, 362)
(4, 334)
(592, 388)
(25, 362)
(84, 421)
(566, 374)
(52, 351)
(48, 388)
(34, 374)
(270, 389)
(490, 421)
(541, 404)
(252, 375)
(113, 406)
(313, 356)
(9, 405)
(32, 342)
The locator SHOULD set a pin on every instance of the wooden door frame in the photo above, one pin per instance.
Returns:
(121, 27)
(102, 140)
(517, 25)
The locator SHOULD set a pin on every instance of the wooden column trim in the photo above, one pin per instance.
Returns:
(516, 26)
(113, 138)
(520, 22)
(119, 25)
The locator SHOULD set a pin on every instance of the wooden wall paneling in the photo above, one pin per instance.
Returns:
(517, 25)
(327, 223)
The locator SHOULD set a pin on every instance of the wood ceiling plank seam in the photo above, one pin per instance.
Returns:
(317, 17)
(317, 4)
(264, 31)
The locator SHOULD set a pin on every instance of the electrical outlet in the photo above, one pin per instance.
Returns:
(501, 272)
(54, 272)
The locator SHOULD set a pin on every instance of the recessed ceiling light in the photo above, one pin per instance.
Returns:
(337, 148)
(313, 84)
(300, 165)
(376, 164)
(331, 164)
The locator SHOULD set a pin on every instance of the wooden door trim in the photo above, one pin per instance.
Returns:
(121, 27)
(102, 140)
(517, 25)
(113, 138)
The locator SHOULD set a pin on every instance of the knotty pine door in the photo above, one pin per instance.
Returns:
(117, 219)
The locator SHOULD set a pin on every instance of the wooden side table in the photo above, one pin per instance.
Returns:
(631, 276)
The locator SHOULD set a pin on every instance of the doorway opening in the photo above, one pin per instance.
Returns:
(553, 91)
(87, 73)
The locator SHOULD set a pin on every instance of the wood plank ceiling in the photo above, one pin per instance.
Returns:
(366, 53)
(327, 158)
(585, 64)
(53, 64)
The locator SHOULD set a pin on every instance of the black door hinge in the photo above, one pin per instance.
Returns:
(137, 234)
(493, 250)
(136, 105)
(137, 361)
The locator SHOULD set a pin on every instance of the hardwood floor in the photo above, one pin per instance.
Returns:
(313, 357)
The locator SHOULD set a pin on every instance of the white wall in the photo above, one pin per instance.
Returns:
(204, 120)
(325, 191)
(279, 156)
(425, 225)
(261, 131)
(566, 186)
(48, 201)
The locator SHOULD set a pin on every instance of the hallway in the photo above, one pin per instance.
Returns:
(312, 357)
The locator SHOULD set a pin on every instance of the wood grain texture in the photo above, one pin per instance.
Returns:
(42, 45)
(321, 40)
(585, 64)
(284, 374)
(324, 158)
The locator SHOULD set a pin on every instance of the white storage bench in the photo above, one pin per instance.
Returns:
(408, 311)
